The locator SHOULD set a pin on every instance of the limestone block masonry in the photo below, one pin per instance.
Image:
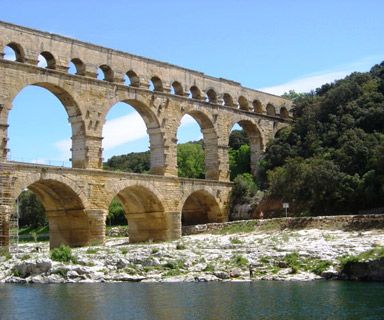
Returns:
(76, 200)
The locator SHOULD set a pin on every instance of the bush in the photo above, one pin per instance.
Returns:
(61, 254)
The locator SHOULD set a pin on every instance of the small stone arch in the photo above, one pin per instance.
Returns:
(18, 50)
(50, 59)
(243, 103)
(144, 212)
(228, 100)
(108, 72)
(210, 142)
(177, 88)
(257, 106)
(79, 65)
(133, 79)
(196, 93)
(284, 113)
(200, 207)
(212, 96)
(157, 84)
(271, 111)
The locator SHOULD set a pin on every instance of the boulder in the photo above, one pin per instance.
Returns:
(31, 268)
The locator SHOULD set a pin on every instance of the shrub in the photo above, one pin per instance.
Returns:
(61, 254)
(180, 246)
(240, 261)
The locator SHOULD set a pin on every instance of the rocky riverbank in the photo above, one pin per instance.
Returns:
(239, 252)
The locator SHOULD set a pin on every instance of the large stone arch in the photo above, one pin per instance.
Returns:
(144, 211)
(147, 110)
(255, 136)
(65, 207)
(200, 207)
(70, 105)
(210, 140)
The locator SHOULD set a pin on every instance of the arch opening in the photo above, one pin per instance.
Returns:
(195, 93)
(197, 153)
(212, 96)
(243, 103)
(76, 67)
(46, 60)
(38, 127)
(245, 148)
(271, 111)
(177, 88)
(200, 208)
(59, 204)
(144, 213)
(257, 106)
(284, 113)
(14, 52)
(132, 127)
(104, 72)
(157, 84)
(132, 79)
(228, 100)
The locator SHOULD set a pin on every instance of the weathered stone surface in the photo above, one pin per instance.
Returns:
(30, 268)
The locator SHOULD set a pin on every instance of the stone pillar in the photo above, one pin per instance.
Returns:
(148, 226)
(4, 227)
(162, 154)
(212, 168)
(68, 227)
(86, 152)
(3, 142)
(96, 220)
(174, 225)
(223, 165)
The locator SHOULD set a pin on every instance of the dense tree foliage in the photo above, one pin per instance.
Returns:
(116, 214)
(190, 160)
(331, 160)
(31, 211)
(137, 162)
(239, 154)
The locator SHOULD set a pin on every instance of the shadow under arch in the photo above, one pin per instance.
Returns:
(145, 214)
(256, 141)
(152, 123)
(210, 143)
(68, 221)
(200, 207)
(74, 117)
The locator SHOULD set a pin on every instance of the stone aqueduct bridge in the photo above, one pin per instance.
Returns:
(76, 199)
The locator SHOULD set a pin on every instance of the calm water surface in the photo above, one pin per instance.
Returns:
(257, 300)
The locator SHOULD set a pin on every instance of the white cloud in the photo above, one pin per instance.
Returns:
(312, 81)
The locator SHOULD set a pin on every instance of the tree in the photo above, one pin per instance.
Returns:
(330, 160)
(31, 211)
(116, 214)
(190, 160)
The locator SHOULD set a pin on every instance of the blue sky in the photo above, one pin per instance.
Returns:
(269, 45)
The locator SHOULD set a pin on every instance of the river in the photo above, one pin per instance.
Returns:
(173, 301)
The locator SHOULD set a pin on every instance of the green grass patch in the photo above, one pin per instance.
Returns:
(373, 254)
(240, 261)
(209, 268)
(92, 251)
(243, 227)
(62, 254)
(235, 240)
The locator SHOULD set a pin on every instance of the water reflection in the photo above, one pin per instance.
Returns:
(258, 300)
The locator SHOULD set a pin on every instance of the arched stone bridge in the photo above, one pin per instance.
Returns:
(76, 199)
